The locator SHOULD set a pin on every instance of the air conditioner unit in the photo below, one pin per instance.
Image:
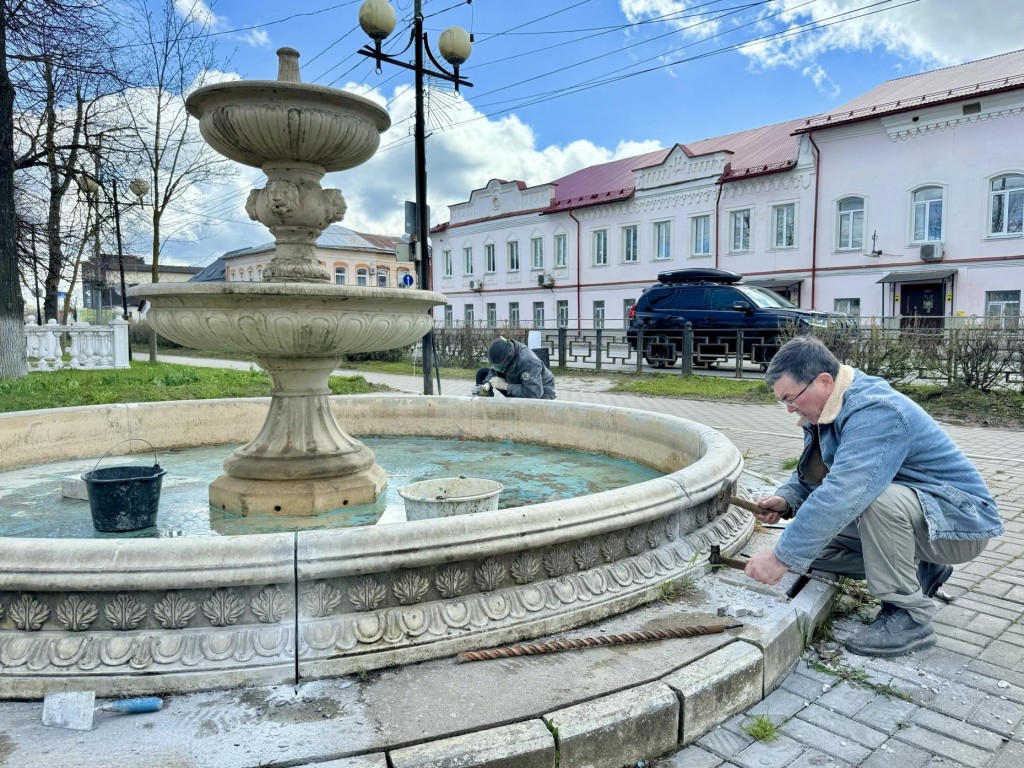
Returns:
(476, 285)
(931, 251)
(546, 280)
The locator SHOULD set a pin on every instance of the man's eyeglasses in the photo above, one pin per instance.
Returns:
(791, 401)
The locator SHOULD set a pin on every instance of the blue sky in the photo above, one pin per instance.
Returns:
(565, 84)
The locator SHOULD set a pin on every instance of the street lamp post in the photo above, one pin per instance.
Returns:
(139, 188)
(377, 18)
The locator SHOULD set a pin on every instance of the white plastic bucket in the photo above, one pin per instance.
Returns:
(448, 496)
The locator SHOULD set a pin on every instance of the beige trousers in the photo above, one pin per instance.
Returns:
(883, 546)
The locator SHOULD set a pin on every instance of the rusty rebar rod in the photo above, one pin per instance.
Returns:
(553, 646)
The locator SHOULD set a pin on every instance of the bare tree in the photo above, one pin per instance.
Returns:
(174, 55)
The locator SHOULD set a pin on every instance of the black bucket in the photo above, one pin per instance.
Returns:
(124, 498)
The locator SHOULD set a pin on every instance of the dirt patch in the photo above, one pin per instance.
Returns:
(583, 384)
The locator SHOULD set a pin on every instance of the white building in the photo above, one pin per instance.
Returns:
(908, 200)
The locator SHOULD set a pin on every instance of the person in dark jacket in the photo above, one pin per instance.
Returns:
(880, 493)
(515, 371)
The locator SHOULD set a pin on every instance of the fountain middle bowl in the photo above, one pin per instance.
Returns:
(134, 616)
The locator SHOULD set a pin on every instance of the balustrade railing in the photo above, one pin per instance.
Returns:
(51, 347)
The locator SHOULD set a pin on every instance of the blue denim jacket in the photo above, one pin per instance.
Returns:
(869, 436)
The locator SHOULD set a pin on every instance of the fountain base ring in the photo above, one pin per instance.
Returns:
(300, 497)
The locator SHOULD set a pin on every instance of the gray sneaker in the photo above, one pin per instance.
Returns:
(893, 633)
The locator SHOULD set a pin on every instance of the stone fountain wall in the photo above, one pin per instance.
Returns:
(160, 615)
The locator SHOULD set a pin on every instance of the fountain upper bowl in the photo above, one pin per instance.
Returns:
(288, 319)
(254, 122)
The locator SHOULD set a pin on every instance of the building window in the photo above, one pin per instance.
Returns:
(599, 314)
(662, 240)
(467, 259)
(561, 251)
(851, 223)
(362, 276)
(630, 251)
(1002, 308)
(562, 313)
(382, 278)
(400, 278)
(700, 227)
(513, 255)
(259, 274)
(490, 261)
(538, 314)
(250, 274)
(449, 315)
(536, 253)
(1007, 205)
(784, 220)
(850, 307)
(467, 315)
(449, 265)
(740, 230)
(627, 304)
(927, 214)
(492, 315)
(340, 275)
(513, 313)
(601, 248)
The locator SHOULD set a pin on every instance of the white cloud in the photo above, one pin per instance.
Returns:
(257, 38)
(199, 12)
(675, 13)
(929, 34)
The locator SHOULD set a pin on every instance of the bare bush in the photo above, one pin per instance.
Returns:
(979, 355)
(885, 352)
(465, 346)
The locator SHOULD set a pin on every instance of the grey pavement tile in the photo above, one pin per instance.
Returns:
(1010, 756)
(957, 701)
(725, 742)
(999, 715)
(826, 741)
(812, 758)
(987, 669)
(965, 636)
(958, 646)
(944, 746)
(954, 615)
(993, 587)
(897, 753)
(844, 726)
(944, 663)
(809, 689)
(987, 625)
(887, 714)
(957, 729)
(806, 670)
(846, 698)
(1003, 654)
(780, 704)
(692, 757)
(773, 754)
(991, 606)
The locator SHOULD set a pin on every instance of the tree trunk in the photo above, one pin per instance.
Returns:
(12, 306)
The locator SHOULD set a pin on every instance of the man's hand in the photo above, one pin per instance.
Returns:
(774, 507)
(765, 567)
(499, 383)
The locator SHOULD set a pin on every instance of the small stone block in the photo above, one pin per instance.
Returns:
(619, 729)
(377, 760)
(717, 686)
(73, 487)
(520, 745)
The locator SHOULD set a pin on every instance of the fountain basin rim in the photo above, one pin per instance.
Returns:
(277, 94)
(291, 291)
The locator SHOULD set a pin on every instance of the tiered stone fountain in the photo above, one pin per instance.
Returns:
(124, 616)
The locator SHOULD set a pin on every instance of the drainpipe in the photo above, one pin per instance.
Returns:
(814, 213)
(718, 200)
(579, 274)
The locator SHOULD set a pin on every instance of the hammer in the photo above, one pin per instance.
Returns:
(715, 559)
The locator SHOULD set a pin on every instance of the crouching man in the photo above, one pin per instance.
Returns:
(515, 371)
(880, 493)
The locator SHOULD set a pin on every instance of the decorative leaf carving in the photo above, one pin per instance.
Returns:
(610, 548)
(29, 614)
(321, 599)
(125, 612)
(525, 568)
(451, 582)
(270, 605)
(367, 595)
(222, 608)
(635, 541)
(410, 588)
(174, 611)
(489, 575)
(557, 562)
(76, 614)
(652, 536)
(671, 527)
(586, 555)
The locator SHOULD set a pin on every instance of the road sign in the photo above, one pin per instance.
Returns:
(407, 280)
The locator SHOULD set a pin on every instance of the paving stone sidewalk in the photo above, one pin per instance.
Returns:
(960, 703)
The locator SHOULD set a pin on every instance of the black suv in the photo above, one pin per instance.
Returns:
(717, 305)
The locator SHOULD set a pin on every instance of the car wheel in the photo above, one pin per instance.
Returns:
(657, 353)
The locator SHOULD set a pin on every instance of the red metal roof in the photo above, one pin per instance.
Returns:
(997, 73)
(601, 183)
(756, 151)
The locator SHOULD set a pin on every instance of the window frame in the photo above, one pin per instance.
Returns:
(744, 232)
(490, 259)
(599, 244)
(776, 210)
(537, 253)
(663, 244)
(514, 318)
(561, 250)
(448, 263)
(695, 225)
(926, 206)
(538, 313)
(468, 315)
(851, 214)
(467, 260)
(598, 313)
(562, 313)
(363, 277)
(512, 255)
(630, 244)
(491, 309)
(1005, 195)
